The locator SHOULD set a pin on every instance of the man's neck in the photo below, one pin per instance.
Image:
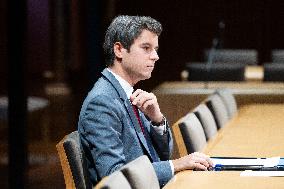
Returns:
(121, 73)
(128, 89)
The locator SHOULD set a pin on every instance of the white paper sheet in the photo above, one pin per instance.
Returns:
(238, 161)
(250, 173)
(267, 162)
(271, 162)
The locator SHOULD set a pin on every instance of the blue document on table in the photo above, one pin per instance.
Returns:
(248, 163)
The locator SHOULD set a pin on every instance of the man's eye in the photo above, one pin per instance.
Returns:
(146, 48)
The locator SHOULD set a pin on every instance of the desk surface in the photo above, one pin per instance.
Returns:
(222, 180)
(256, 131)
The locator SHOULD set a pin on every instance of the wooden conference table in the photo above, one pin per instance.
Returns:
(256, 131)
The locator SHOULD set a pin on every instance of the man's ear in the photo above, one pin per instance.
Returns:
(118, 49)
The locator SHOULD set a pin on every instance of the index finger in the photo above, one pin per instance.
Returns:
(135, 94)
(204, 156)
(209, 160)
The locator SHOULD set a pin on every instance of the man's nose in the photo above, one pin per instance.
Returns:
(154, 55)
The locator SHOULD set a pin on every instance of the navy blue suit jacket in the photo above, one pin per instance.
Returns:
(111, 136)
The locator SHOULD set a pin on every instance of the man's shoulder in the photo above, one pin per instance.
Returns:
(99, 100)
(102, 88)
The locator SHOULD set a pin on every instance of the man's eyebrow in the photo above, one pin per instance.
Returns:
(146, 44)
(149, 44)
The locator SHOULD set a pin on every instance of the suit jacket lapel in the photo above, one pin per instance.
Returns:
(136, 124)
(128, 107)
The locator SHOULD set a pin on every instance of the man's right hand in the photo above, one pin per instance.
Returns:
(194, 161)
(148, 104)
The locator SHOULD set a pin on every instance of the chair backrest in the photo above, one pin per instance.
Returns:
(218, 109)
(116, 180)
(229, 100)
(242, 56)
(179, 144)
(140, 173)
(273, 72)
(206, 119)
(277, 55)
(192, 133)
(215, 72)
(73, 162)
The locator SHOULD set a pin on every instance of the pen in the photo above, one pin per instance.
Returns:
(275, 168)
(219, 167)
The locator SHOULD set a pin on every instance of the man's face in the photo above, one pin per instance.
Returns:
(139, 62)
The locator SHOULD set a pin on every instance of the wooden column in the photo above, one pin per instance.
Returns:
(17, 110)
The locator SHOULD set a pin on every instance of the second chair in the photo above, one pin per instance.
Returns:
(229, 101)
(218, 109)
(215, 72)
(207, 120)
(273, 72)
(192, 133)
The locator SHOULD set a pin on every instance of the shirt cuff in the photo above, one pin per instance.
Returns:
(160, 129)
(172, 167)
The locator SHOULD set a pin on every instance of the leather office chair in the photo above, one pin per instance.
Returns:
(206, 119)
(241, 56)
(73, 162)
(192, 133)
(140, 173)
(116, 180)
(218, 109)
(215, 72)
(277, 56)
(229, 101)
(273, 72)
(179, 145)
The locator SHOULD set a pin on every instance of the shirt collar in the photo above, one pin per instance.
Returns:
(128, 89)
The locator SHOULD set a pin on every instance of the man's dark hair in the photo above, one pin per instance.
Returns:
(125, 29)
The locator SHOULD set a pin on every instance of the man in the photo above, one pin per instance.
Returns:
(117, 123)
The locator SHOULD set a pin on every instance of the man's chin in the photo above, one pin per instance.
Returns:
(145, 77)
(148, 76)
